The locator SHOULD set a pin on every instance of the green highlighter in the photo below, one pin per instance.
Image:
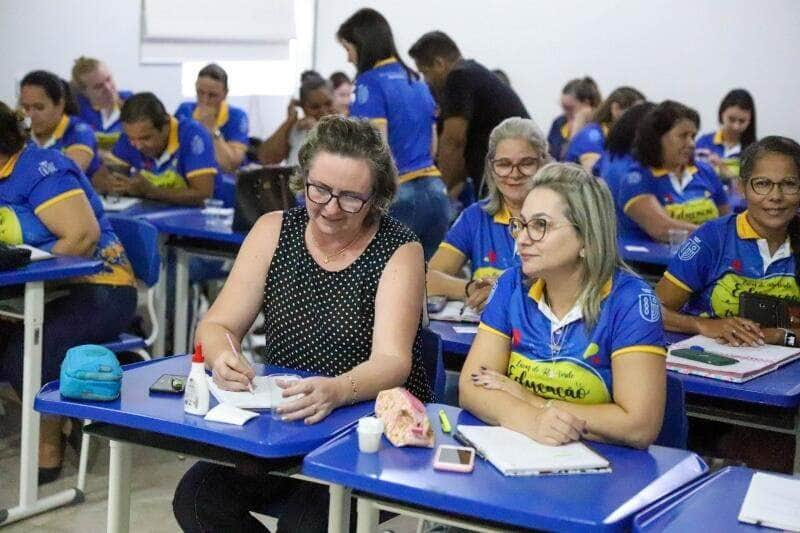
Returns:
(697, 353)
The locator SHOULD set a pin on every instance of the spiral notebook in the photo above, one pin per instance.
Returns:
(515, 454)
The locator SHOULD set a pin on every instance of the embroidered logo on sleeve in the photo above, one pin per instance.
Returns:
(46, 168)
(198, 146)
(689, 249)
(649, 307)
(362, 94)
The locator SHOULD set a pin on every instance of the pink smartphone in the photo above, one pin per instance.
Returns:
(454, 458)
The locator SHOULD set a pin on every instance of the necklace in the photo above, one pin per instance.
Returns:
(328, 258)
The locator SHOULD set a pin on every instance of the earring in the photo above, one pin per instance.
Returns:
(582, 254)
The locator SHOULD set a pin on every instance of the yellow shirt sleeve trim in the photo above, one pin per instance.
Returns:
(201, 172)
(678, 283)
(82, 148)
(450, 247)
(641, 348)
(378, 121)
(55, 199)
(632, 200)
(490, 329)
(111, 158)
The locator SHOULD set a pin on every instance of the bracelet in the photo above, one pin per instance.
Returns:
(354, 387)
(467, 286)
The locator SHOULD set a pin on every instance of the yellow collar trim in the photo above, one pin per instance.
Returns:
(605, 129)
(659, 171)
(503, 216)
(8, 168)
(222, 115)
(386, 61)
(744, 230)
(718, 137)
(172, 141)
(537, 290)
(565, 130)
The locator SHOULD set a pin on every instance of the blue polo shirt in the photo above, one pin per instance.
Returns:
(385, 94)
(713, 143)
(591, 139)
(483, 239)
(726, 257)
(232, 122)
(73, 133)
(106, 130)
(33, 180)
(697, 201)
(563, 359)
(189, 153)
(558, 138)
(613, 168)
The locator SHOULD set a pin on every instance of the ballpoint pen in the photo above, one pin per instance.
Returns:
(240, 356)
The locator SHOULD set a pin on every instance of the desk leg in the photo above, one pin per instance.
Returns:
(181, 333)
(339, 509)
(367, 516)
(797, 442)
(119, 487)
(159, 346)
(31, 383)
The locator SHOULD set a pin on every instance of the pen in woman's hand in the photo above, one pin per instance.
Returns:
(240, 356)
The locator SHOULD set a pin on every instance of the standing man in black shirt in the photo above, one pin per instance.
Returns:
(472, 101)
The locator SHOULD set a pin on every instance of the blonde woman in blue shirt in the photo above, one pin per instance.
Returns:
(517, 149)
(571, 344)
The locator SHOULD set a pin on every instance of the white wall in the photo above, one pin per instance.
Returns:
(50, 34)
(692, 51)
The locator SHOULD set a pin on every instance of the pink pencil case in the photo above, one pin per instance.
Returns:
(404, 418)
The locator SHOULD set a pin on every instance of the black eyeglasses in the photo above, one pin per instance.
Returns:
(764, 186)
(527, 166)
(536, 227)
(348, 202)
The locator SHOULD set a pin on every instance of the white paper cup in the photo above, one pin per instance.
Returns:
(369, 432)
(276, 393)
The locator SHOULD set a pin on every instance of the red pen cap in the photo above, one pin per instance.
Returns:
(198, 353)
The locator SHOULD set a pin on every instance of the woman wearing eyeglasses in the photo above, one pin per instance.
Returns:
(342, 298)
(755, 251)
(517, 148)
(570, 344)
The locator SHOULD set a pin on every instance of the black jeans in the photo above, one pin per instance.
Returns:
(211, 498)
(89, 314)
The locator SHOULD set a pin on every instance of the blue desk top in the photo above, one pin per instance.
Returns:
(191, 223)
(574, 502)
(452, 342)
(657, 253)
(711, 503)
(60, 267)
(163, 413)
(148, 208)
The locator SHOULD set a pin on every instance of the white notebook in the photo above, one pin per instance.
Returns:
(456, 311)
(113, 204)
(772, 501)
(258, 399)
(515, 454)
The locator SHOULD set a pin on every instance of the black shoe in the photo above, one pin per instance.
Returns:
(48, 475)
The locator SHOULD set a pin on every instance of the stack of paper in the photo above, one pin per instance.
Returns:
(258, 399)
(515, 454)
(772, 501)
(456, 311)
(118, 203)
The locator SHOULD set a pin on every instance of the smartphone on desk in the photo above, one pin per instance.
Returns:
(169, 384)
(702, 356)
(454, 458)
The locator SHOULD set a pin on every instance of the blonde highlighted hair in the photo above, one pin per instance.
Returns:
(83, 66)
(590, 208)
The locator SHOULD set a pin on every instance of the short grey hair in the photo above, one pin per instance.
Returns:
(590, 208)
(510, 128)
(357, 139)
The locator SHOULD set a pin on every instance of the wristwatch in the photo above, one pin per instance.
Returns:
(789, 338)
(217, 134)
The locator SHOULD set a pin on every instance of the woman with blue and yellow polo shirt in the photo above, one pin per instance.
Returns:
(664, 190)
(400, 105)
(46, 99)
(579, 98)
(570, 345)
(587, 144)
(737, 131)
(48, 202)
(755, 251)
(99, 101)
(517, 149)
(227, 124)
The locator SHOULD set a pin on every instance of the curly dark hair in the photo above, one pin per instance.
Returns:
(12, 133)
(663, 117)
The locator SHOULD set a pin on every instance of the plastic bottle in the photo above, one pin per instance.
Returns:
(196, 394)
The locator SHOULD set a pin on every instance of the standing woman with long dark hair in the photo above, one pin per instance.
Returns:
(737, 131)
(393, 98)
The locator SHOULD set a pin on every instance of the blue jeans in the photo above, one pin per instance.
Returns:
(423, 205)
(89, 314)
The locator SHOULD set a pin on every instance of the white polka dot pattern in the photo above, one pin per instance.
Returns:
(323, 321)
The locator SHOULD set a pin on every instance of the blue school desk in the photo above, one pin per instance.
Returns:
(33, 277)
(644, 251)
(158, 420)
(452, 341)
(403, 480)
(711, 504)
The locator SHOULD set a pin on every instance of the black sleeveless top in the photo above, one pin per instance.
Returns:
(323, 321)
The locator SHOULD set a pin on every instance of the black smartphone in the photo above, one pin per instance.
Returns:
(436, 303)
(702, 356)
(169, 384)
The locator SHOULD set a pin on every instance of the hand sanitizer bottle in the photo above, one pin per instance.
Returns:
(196, 395)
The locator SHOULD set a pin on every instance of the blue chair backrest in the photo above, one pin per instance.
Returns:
(675, 428)
(140, 240)
(433, 361)
(225, 189)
